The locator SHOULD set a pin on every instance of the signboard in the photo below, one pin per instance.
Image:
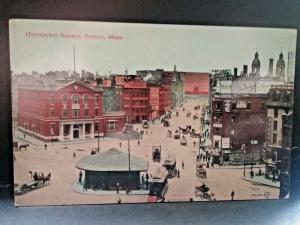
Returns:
(217, 125)
(225, 142)
(241, 104)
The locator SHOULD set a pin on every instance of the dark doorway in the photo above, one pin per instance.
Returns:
(76, 134)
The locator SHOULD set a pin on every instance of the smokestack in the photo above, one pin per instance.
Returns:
(271, 66)
(245, 71)
(235, 72)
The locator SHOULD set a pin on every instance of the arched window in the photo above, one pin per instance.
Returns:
(75, 99)
(64, 99)
(85, 99)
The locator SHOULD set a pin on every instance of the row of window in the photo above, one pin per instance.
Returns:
(75, 113)
(75, 99)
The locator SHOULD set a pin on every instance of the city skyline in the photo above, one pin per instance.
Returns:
(116, 47)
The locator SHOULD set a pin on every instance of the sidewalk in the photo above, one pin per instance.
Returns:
(79, 189)
(262, 180)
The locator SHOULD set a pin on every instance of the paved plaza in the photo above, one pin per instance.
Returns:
(60, 160)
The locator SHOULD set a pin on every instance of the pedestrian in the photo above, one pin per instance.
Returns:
(120, 144)
(74, 155)
(273, 178)
(138, 142)
(80, 177)
(182, 164)
(45, 146)
(201, 155)
(207, 164)
(178, 174)
(118, 187)
(194, 143)
(24, 135)
(212, 164)
(232, 195)
(143, 179)
(119, 200)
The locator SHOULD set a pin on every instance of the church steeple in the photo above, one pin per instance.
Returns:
(280, 66)
(256, 65)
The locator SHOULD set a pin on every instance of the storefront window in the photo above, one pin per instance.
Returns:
(111, 126)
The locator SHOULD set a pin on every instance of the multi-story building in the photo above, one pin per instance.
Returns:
(135, 99)
(159, 100)
(65, 112)
(279, 104)
(238, 120)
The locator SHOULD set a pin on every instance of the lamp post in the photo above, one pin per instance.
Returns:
(244, 151)
(98, 138)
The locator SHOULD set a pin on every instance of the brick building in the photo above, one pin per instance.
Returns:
(136, 96)
(66, 112)
(159, 100)
(196, 83)
(238, 120)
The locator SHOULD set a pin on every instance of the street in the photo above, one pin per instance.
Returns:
(59, 159)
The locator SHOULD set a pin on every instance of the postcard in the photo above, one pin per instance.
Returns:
(113, 113)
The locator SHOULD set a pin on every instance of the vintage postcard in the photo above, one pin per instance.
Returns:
(139, 113)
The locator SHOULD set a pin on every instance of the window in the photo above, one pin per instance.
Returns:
(111, 126)
(52, 114)
(96, 112)
(218, 106)
(75, 99)
(96, 127)
(96, 99)
(248, 107)
(274, 138)
(86, 112)
(263, 106)
(233, 106)
(51, 100)
(275, 126)
(86, 100)
(64, 99)
(75, 112)
(275, 113)
(64, 113)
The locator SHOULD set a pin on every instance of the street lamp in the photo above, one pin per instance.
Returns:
(244, 151)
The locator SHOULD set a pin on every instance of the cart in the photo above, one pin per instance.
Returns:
(170, 165)
(203, 191)
(28, 186)
(183, 140)
(177, 134)
(166, 123)
(145, 124)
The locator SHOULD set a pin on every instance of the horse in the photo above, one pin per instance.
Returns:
(46, 180)
(24, 146)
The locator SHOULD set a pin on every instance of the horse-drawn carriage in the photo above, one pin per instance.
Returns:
(166, 123)
(156, 153)
(37, 182)
(200, 171)
(195, 134)
(177, 134)
(188, 114)
(145, 124)
(183, 140)
(203, 191)
(195, 117)
(170, 165)
(197, 107)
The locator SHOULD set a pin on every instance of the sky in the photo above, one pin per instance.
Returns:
(142, 46)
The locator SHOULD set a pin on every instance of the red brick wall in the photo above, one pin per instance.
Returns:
(196, 83)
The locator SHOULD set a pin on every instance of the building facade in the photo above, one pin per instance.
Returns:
(237, 121)
(68, 112)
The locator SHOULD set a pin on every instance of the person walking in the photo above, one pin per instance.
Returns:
(80, 177)
(120, 144)
(74, 155)
(45, 146)
(138, 142)
(194, 143)
(232, 195)
(182, 164)
(118, 187)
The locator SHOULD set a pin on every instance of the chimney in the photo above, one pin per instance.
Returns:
(245, 71)
(235, 72)
(271, 67)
